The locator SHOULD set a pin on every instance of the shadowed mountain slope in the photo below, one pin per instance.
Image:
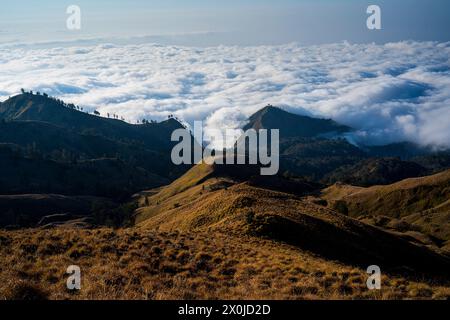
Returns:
(292, 125)
(108, 177)
(212, 202)
(100, 154)
(29, 107)
(306, 148)
(317, 149)
(40, 209)
(376, 171)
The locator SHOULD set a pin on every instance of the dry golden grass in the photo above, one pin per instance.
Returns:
(214, 203)
(417, 207)
(396, 200)
(133, 264)
(207, 237)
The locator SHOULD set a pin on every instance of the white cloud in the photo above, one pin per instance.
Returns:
(387, 92)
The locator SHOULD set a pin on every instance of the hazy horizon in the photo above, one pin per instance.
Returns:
(206, 23)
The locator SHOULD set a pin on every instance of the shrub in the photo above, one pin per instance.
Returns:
(341, 207)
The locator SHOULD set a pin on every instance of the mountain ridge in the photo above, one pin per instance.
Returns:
(40, 129)
(416, 207)
(32, 107)
(292, 125)
(213, 202)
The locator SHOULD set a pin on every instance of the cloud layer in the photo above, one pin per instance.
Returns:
(392, 92)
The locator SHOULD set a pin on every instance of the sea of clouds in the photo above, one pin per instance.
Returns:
(388, 93)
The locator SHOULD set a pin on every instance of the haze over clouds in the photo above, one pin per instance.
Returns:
(392, 92)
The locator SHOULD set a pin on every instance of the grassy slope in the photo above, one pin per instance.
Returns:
(208, 237)
(217, 204)
(409, 206)
(404, 197)
(130, 264)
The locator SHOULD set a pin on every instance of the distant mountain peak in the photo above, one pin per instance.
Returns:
(270, 108)
(268, 111)
(292, 125)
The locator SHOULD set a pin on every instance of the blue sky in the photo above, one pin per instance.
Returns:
(240, 22)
